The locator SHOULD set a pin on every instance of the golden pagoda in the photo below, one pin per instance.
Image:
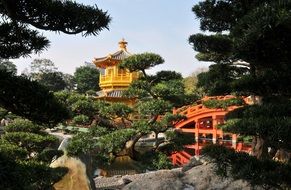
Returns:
(114, 80)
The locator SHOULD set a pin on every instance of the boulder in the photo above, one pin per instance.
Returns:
(203, 177)
(194, 161)
(159, 180)
(198, 174)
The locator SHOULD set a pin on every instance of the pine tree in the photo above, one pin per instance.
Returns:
(19, 39)
(253, 36)
(118, 128)
(87, 78)
(24, 155)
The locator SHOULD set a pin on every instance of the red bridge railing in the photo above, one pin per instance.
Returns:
(201, 123)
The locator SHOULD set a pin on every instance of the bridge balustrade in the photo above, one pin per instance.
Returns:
(202, 124)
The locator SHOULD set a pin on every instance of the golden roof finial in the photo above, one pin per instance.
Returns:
(122, 44)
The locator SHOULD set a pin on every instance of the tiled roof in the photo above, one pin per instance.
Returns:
(119, 55)
(113, 93)
(113, 58)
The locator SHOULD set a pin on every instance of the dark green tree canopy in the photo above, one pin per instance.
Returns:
(18, 39)
(53, 81)
(40, 66)
(250, 44)
(69, 80)
(221, 15)
(8, 66)
(216, 47)
(166, 85)
(266, 174)
(141, 62)
(26, 152)
(86, 78)
(116, 128)
(220, 78)
(46, 73)
(29, 99)
(257, 33)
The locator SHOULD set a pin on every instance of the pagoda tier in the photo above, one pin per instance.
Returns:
(114, 80)
(113, 59)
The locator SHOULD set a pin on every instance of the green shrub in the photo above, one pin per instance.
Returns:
(48, 154)
(22, 125)
(152, 160)
(3, 113)
(81, 119)
(223, 103)
(12, 151)
(74, 130)
(30, 141)
(82, 144)
(27, 175)
(84, 107)
(162, 161)
(238, 165)
(91, 92)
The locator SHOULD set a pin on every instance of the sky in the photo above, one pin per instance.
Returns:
(158, 26)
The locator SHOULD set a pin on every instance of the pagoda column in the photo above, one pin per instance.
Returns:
(115, 72)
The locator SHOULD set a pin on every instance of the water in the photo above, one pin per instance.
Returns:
(122, 165)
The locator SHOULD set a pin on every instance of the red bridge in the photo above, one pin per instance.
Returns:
(201, 124)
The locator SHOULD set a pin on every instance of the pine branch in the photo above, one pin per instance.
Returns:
(68, 17)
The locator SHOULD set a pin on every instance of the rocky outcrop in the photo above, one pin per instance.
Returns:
(76, 177)
(198, 174)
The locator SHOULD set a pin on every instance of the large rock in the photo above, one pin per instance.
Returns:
(159, 180)
(76, 177)
(203, 177)
(197, 175)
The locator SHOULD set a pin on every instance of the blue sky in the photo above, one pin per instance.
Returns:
(157, 26)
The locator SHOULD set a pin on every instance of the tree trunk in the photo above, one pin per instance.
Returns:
(259, 148)
(156, 140)
(130, 151)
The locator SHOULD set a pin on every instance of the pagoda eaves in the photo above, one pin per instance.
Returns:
(114, 80)
(113, 59)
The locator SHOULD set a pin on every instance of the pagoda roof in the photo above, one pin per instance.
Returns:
(112, 93)
(114, 58)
